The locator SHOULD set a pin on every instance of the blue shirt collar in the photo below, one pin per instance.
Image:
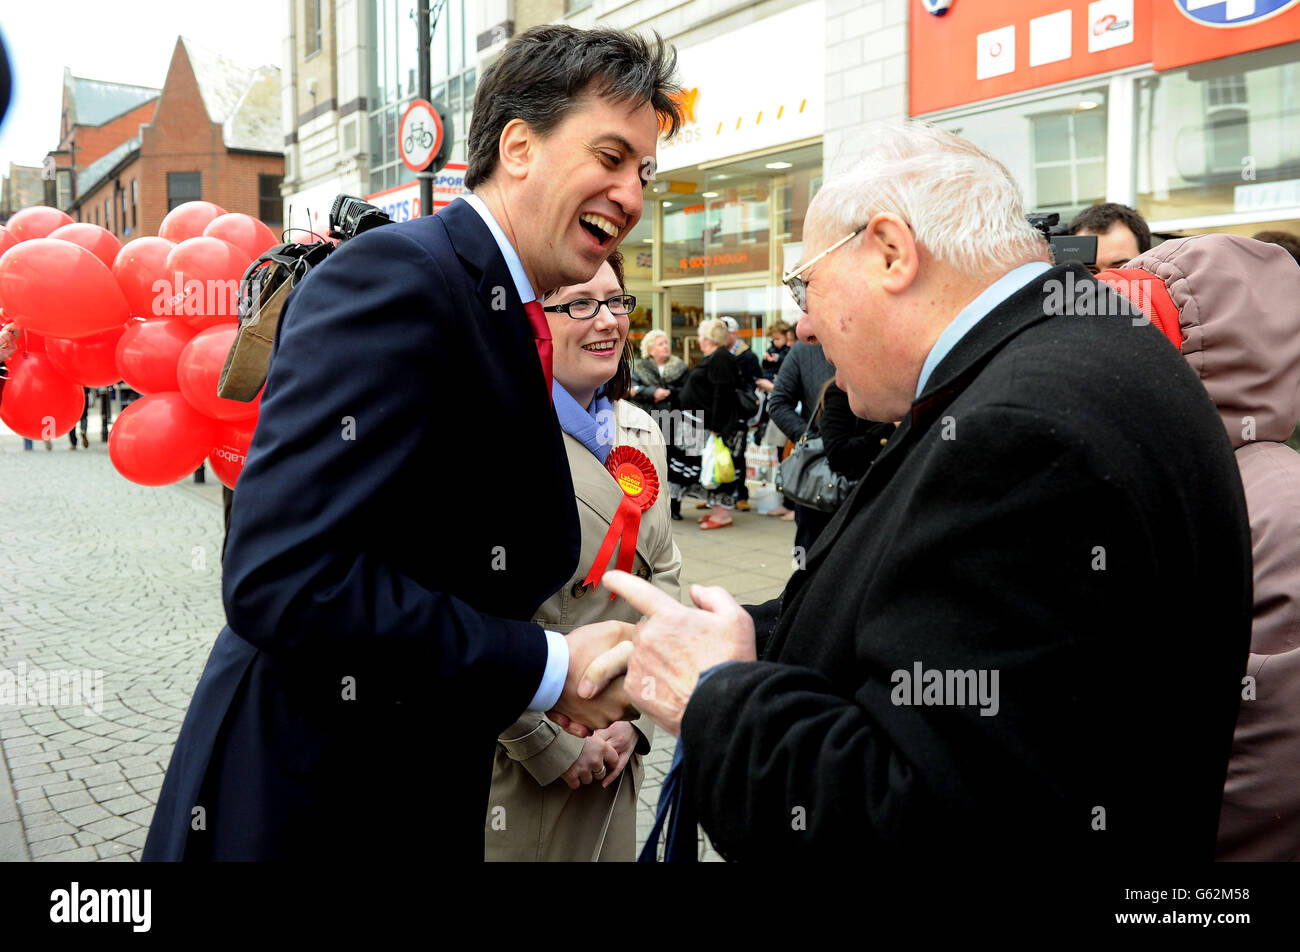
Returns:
(593, 427)
(974, 312)
(523, 286)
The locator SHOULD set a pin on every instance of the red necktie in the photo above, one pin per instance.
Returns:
(542, 332)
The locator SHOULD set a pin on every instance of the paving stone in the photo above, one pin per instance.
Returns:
(111, 828)
(111, 848)
(135, 838)
(84, 854)
(83, 816)
(54, 844)
(123, 806)
(70, 800)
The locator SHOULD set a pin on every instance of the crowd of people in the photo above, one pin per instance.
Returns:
(1053, 620)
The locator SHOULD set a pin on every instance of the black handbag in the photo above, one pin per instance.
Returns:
(806, 475)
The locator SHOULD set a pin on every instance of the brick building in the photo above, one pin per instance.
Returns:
(213, 134)
(96, 117)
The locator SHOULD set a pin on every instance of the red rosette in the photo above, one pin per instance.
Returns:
(635, 475)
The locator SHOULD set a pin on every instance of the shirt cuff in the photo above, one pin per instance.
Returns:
(712, 670)
(557, 670)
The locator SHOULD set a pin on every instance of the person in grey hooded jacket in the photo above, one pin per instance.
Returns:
(1229, 304)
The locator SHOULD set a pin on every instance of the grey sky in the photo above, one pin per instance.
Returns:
(126, 41)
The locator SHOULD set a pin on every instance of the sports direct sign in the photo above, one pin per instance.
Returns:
(402, 202)
(981, 49)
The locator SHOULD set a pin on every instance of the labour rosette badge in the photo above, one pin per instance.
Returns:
(636, 476)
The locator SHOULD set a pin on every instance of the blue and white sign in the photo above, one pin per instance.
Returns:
(936, 7)
(1230, 13)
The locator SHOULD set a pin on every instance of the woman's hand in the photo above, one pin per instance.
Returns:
(622, 736)
(598, 757)
(662, 394)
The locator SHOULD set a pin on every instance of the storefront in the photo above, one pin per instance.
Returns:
(1188, 110)
(724, 216)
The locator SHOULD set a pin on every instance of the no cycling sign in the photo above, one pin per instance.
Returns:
(419, 136)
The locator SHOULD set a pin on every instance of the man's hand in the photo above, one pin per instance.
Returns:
(673, 644)
(764, 384)
(622, 736)
(598, 759)
(580, 714)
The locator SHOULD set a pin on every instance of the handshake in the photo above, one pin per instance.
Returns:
(618, 670)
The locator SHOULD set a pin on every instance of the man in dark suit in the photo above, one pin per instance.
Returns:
(410, 367)
(1024, 633)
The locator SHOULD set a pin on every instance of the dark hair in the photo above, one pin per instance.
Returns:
(619, 385)
(543, 73)
(1100, 219)
(1284, 238)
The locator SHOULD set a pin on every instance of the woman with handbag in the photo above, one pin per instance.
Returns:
(710, 398)
(823, 469)
(554, 796)
(657, 381)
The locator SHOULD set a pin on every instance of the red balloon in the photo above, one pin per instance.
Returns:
(199, 369)
(7, 240)
(147, 353)
(58, 288)
(209, 272)
(188, 220)
(243, 231)
(39, 402)
(138, 268)
(159, 439)
(37, 222)
(100, 242)
(230, 450)
(90, 361)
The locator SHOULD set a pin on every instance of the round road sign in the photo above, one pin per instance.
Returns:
(419, 136)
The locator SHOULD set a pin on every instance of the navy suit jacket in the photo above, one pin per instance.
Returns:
(405, 508)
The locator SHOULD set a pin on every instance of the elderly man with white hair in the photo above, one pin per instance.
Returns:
(1023, 635)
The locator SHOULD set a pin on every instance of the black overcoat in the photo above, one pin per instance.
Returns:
(1060, 506)
(405, 508)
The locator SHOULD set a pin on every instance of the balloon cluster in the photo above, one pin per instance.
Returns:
(159, 313)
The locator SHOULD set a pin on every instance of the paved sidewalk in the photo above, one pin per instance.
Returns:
(111, 603)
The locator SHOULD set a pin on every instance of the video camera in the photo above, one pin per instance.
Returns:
(350, 216)
(1065, 247)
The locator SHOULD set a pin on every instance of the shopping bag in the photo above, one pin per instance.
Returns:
(707, 460)
(724, 470)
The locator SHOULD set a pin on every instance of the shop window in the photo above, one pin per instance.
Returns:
(1220, 138)
(1054, 147)
(183, 187)
(1069, 159)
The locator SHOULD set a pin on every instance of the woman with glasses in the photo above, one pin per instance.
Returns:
(657, 381)
(556, 797)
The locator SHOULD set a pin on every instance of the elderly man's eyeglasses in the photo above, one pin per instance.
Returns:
(583, 308)
(798, 287)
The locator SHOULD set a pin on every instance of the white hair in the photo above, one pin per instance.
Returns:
(962, 204)
(649, 341)
(714, 330)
